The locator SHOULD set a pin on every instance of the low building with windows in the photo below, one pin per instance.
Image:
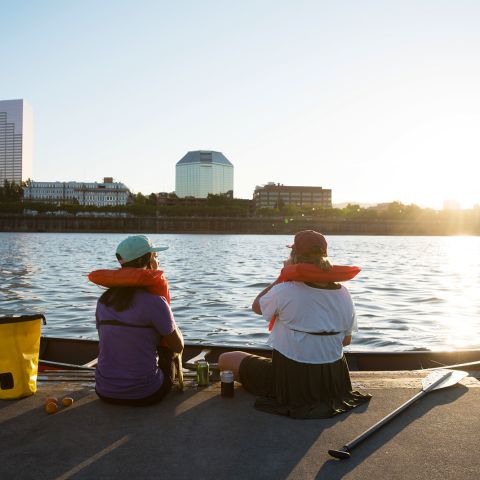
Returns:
(276, 195)
(106, 193)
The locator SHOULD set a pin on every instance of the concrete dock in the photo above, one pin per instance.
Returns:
(198, 434)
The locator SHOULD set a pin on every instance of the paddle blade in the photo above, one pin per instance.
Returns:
(442, 379)
(342, 453)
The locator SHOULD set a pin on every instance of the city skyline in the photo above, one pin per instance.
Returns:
(378, 101)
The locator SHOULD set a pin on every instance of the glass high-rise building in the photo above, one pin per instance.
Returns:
(202, 172)
(16, 141)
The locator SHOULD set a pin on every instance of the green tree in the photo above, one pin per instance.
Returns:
(218, 199)
(290, 210)
(280, 204)
(140, 199)
(268, 212)
(396, 209)
(351, 210)
(11, 192)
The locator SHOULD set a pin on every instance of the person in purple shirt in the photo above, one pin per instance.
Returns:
(133, 369)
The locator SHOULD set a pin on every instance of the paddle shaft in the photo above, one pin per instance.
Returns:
(66, 380)
(383, 421)
(456, 365)
(65, 366)
(351, 445)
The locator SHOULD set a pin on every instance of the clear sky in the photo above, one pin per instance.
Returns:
(377, 100)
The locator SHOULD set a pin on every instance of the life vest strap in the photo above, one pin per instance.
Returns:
(123, 324)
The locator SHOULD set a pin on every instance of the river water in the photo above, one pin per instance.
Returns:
(413, 292)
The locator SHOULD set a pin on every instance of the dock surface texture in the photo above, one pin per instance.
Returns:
(198, 434)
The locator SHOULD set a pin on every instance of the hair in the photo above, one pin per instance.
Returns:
(121, 298)
(318, 259)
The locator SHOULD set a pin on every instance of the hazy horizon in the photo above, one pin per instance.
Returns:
(377, 100)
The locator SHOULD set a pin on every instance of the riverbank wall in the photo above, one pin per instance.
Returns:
(212, 225)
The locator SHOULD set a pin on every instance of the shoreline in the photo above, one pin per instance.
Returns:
(232, 225)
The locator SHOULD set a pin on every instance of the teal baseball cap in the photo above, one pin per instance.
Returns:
(136, 246)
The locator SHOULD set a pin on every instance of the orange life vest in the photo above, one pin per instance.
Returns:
(307, 272)
(153, 280)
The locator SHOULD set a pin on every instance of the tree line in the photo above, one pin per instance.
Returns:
(11, 201)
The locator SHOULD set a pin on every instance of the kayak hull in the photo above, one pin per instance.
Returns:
(80, 352)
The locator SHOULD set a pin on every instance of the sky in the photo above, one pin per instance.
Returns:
(377, 100)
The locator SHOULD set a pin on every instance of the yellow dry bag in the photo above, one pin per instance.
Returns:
(19, 349)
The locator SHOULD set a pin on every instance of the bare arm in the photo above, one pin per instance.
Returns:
(346, 340)
(256, 303)
(174, 341)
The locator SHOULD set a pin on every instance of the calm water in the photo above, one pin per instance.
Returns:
(413, 292)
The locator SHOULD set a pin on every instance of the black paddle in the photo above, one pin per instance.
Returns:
(436, 380)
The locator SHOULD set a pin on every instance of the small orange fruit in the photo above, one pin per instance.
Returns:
(67, 401)
(51, 407)
(51, 399)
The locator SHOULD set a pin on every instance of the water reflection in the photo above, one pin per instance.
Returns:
(413, 292)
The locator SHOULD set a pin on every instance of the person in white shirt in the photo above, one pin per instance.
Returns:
(308, 375)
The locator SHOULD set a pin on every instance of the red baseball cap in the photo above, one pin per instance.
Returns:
(309, 241)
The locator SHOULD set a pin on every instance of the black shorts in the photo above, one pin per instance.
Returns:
(256, 375)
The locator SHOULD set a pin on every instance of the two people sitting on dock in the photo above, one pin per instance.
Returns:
(313, 320)
(135, 325)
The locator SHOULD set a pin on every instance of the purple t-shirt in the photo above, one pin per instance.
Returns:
(127, 361)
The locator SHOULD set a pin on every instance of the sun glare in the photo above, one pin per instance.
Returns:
(436, 159)
(462, 305)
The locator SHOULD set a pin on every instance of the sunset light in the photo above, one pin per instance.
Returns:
(239, 240)
(377, 101)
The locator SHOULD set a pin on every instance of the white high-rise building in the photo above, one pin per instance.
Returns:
(16, 140)
(202, 172)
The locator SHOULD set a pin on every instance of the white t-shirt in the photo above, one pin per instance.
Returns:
(309, 309)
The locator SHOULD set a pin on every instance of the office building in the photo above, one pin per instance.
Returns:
(202, 172)
(107, 193)
(275, 195)
(16, 141)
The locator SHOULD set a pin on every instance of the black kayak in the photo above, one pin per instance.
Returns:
(75, 353)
